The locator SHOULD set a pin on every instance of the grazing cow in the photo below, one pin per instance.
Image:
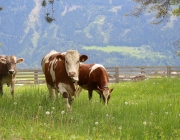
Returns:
(94, 77)
(61, 72)
(8, 71)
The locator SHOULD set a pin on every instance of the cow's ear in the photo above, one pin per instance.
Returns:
(3, 60)
(83, 58)
(99, 88)
(111, 90)
(60, 57)
(20, 60)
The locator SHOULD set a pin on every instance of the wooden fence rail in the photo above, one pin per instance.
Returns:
(116, 74)
(30, 77)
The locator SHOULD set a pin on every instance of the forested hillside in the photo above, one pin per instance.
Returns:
(81, 24)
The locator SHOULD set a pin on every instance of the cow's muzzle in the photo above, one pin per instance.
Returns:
(11, 71)
(74, 79)
(72, 74)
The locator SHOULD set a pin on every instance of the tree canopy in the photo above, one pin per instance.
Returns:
(162, 9)
(49, 18)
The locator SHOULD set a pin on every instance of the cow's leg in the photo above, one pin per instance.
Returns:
(66, 100)
(12, 88)
(57, 94)
(71, 99)
(1, 89)
(90, 93)
(78, 91)
(100, 97)
(65, 95)
(51, 92)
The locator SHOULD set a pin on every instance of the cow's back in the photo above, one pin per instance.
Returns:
(49, 64)
(3, 68)
(3, 72)
(98, 75)
(84, 71)
(47, 58)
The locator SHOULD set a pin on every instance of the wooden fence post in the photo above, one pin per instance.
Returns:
(168, 71)
(143, 70)
(117, 74)
(35, 77)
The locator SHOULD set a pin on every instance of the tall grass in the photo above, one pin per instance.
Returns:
(137, 110)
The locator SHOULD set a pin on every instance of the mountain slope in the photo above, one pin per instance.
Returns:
(25, 33)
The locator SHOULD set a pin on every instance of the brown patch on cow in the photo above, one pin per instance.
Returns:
(94, 79)
(8, 71)
(59, 70)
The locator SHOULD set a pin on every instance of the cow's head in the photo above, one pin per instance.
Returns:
(72, 61)
(105, 94)
(11, 62)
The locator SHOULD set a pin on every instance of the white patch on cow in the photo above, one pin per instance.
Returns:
(95, 67)
(53, 65)
(46, 59)
(65, 88)
(50, 68)
(52, 72)
(72, 63)
(106, 94)
(63, 53)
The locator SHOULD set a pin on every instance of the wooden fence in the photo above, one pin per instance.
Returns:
(30, 76)
(116, 74)
(135, 73)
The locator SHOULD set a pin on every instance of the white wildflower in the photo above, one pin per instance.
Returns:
(62, 112)
(126, 103)
(47, 112)
(15, 103)
(144, 123)
(96, 123)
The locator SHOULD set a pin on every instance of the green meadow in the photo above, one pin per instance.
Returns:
(127, 50)
(147, 109)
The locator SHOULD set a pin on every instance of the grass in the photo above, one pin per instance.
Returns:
(137, 110)
(134, 51)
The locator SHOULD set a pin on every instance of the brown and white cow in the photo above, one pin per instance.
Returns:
(61, 71)
(8, 71)
(94, 77)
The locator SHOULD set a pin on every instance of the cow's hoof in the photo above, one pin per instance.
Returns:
(71, 101)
